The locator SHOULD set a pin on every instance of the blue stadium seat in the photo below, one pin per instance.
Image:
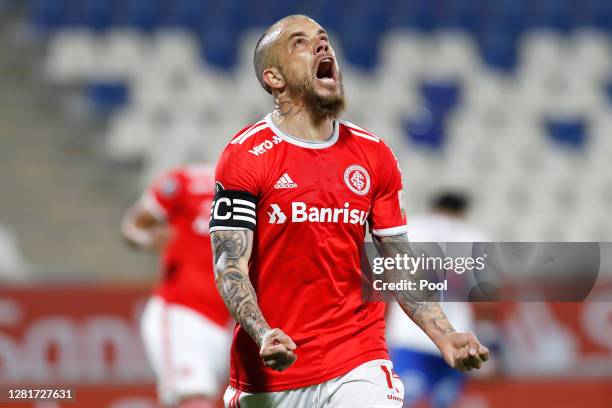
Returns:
(144, 15)
(460, 14)
(441, 96)
(608, 91)
(568, 132)
(187, 14)
(48, 15)
(106, 97)
(418, 14)
(325, 12)
(599, 14)
(425, 129)
(275, 10)
(359, 43)
(97, 15)
(554, 14)
(219, 42)
(230, 13)
(498, 49)
(513, 16)
(372, 13)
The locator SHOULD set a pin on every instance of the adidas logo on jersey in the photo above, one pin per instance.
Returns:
(285, 182)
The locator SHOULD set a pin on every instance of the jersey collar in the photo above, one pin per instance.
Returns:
(301, 142)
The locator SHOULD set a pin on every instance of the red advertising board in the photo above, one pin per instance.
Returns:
(85, 337)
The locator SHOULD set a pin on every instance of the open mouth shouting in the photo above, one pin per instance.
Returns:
(326, 70)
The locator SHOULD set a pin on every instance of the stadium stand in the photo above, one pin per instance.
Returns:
(13, 266)
(510, 100)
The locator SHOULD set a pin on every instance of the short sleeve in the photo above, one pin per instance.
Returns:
(388, 216)
(162, 198)
(236, 191)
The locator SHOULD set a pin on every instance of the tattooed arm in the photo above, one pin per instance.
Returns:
(460, 350)
(231, 252)
(418, 305)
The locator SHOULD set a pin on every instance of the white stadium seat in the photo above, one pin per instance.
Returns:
(542, 51)
(454, 53)
(123, 54)
(129, 136)
(496, 147)
(405, 54)
(591, 55)
(72, 56)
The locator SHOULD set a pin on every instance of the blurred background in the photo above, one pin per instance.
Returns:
(508, 101)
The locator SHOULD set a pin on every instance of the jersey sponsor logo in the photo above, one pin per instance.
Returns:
(357, 179)
(277, 216)
(285, 182)
(265, 146)
(301, 212)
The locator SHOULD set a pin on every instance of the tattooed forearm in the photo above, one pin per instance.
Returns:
(418, 305)
(233, 243)
(232, 250)
(239, 296)
(429, 316)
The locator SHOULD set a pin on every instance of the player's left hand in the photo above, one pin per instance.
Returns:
(462, 351)
(277, 350)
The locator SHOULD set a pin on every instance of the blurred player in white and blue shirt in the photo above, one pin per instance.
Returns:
(416, 359)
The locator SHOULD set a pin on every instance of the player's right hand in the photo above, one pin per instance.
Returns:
(277, 350)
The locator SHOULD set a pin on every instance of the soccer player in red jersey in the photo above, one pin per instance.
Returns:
(294, 192)
(185, 323)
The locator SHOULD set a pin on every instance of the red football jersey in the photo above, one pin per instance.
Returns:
(308, 204)
(183, 198)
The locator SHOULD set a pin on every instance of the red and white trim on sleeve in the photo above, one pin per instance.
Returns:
(389, 232)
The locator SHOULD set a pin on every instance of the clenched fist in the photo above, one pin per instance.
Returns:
(277, 350)
(462, 351)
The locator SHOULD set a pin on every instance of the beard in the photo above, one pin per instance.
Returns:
(322, 107)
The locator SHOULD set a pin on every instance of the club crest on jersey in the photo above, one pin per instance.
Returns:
(357, 179)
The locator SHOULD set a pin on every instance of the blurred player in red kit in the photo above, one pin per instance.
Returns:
(185, 323)
(294, 192)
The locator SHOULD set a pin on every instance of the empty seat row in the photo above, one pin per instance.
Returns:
(519, 119)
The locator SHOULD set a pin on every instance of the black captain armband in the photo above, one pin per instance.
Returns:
(232, 210)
